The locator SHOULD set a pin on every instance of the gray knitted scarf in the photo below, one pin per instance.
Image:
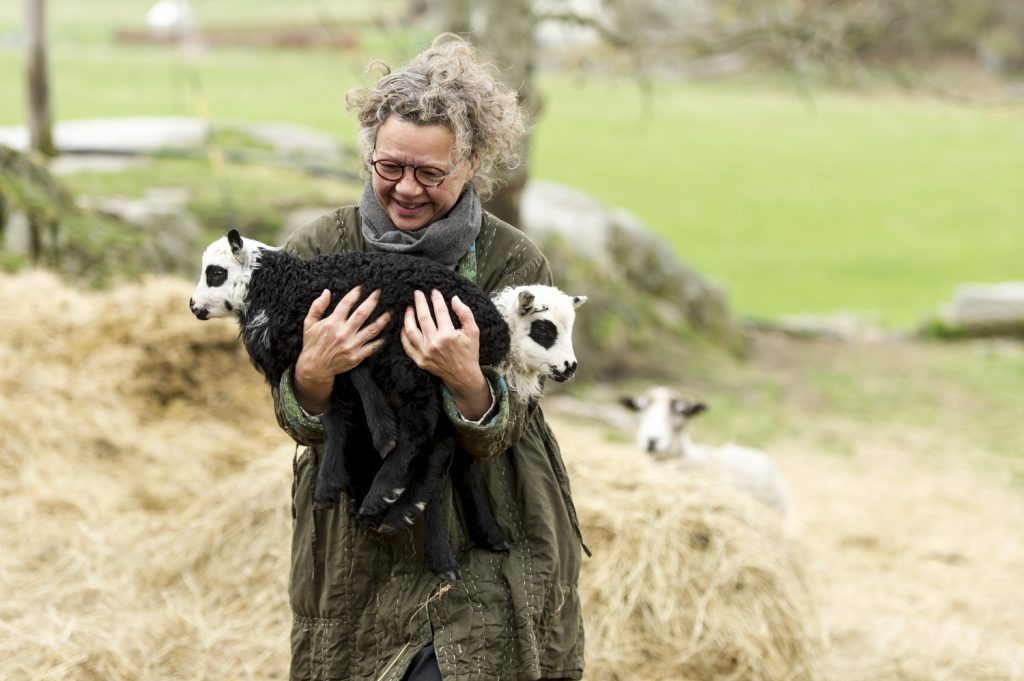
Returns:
(444, 241)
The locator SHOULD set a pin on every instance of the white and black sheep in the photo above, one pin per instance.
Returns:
(664, 434)
(269, 291)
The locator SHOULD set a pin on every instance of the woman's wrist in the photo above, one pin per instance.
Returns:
(311, 390)
(472, 395)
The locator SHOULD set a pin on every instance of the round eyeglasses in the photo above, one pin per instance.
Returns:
(393, 171)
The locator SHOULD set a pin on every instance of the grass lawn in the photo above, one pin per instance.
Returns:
(847, 201)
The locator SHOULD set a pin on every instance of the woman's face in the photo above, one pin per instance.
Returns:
(409, 204)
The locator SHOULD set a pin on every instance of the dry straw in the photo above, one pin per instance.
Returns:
(689, 580)
(144, 488)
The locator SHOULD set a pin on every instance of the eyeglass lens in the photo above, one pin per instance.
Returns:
(392, 171)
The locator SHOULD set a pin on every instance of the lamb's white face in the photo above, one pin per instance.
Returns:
(224, 280)
(541, 327)
(664, 415)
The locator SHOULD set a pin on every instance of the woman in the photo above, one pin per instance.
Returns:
(368, 607)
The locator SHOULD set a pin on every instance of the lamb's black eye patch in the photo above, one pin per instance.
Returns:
(216, 275)
(544, 333)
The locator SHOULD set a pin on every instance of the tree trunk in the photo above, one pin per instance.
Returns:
(507, 35)
(40, 120)
(3, 220)
(458, 16)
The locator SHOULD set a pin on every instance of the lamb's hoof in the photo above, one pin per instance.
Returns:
(501, 546)
(451, 575)
(373, 507)
(386, 448)
(324, 505)
(370, 509)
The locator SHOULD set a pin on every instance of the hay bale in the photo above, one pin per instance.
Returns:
(145, 489)
(689, 579)
(146, 507)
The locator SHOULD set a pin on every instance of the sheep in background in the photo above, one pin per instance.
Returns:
(663, 433)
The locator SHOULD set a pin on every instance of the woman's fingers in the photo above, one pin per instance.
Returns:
(423, 316)
(464, 315)
(344, 306)
(365, 309)
(444, 319)
(316, 309)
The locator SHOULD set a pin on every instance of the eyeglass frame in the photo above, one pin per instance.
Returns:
(445, 174)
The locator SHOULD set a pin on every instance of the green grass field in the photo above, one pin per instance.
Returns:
(852, 202)
(847, 201)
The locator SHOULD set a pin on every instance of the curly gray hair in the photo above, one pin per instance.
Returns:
(447, 84)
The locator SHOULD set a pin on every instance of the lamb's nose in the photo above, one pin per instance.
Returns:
(570, 369)
(199, 312)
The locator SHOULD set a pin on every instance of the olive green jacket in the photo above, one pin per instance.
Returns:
(363, 605)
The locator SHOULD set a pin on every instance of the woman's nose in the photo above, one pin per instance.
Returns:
(407, 184)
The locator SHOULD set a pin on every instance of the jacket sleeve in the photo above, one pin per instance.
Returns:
(292, 418)
(505, 427)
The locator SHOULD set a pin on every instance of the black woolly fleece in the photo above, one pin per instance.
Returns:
(284, 286)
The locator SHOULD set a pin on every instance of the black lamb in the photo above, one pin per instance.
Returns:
(270, 291)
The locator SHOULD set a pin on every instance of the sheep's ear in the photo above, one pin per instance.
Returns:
(688, 408)
(235, 241)
(578, 300)
(525, 302)
(630, 402)
(237, 250)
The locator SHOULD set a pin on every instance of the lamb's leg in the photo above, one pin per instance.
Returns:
(393, 476)
(426, 480)
(437, 548)
(380, 417)
(417, 418)
(332, 478)
(481, 524)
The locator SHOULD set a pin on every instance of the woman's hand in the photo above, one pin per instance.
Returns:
(334, 344)
(451, 354)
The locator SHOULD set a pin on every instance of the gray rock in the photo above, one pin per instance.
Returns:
(619, 243)
(296, 141)
(548, 208)
(983, 309)
(645, 304)
(170, 235)
(118, 135)
(137, 136)
(16, 235)
(93, 163)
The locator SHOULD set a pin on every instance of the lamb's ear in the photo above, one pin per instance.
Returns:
(237, 250)
(578, 300)
(235, 241)
(525, 302)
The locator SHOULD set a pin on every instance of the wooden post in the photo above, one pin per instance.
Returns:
(40, 120)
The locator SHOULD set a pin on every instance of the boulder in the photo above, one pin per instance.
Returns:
(645, 302)
(985, 310)
(169, 236)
